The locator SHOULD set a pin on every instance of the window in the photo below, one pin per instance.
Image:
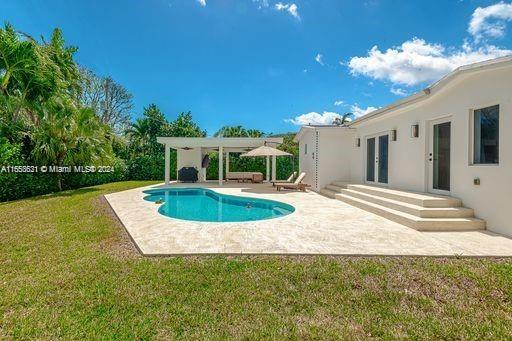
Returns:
(306, 149)
(486, 128)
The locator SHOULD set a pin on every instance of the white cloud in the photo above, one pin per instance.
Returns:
(314, 118)
(398, 92)
(261, 3)
(202, 2)
(291, 8)
(490, 21)
(416, 61)
(358, 111)
(338, 103)
(319, 59)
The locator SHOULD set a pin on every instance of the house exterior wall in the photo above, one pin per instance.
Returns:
(307, 158)
(408, 157)
(336, 149)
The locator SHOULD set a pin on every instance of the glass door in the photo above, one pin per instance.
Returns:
(439, 156)
(370, 159)
(377, 159)
(383, 159)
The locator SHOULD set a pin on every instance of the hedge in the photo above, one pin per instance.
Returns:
(146, 167)
(21, 185)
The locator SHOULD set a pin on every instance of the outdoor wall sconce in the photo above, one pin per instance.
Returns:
(393, 135)
(358, 142)
(415, 130)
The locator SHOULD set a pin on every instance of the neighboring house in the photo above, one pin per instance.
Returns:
(453, 138)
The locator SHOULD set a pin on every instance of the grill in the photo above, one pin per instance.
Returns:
(187, 174)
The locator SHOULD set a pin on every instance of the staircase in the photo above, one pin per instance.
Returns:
(421, 211)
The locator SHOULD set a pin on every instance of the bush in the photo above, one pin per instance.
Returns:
(21, 185)
(77, 180)
(150, 167)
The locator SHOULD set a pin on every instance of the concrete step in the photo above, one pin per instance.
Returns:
(328, 193)
(418, 223)
(419, 199)
(334, 188)
(419, 211)
(342, 184)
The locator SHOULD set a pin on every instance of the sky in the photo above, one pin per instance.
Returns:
(270, 65)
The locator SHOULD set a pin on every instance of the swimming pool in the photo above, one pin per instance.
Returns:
(201, 204)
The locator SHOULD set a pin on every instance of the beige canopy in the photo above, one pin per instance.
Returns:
(265, 151)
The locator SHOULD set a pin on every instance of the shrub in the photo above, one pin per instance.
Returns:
(150, 167)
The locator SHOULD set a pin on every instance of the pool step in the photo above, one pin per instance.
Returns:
(421, 211)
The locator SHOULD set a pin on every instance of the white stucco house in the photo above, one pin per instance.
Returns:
(452, 139)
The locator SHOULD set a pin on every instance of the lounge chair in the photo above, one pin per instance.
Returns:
(295, 185)
(287, 181)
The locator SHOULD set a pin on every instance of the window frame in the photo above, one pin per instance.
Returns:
(472, 135)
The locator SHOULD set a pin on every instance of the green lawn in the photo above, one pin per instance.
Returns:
(68, 269)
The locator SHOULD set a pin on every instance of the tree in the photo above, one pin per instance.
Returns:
(144, 131)
(111, 101)
(347, 117)
(69, 136)
(184, 126)
(237, 131)
(31, 73)
(138, 134)
(255, 133)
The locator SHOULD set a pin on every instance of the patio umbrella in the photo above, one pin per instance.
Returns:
(265, 151)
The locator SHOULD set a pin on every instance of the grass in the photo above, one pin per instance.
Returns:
(68, 270)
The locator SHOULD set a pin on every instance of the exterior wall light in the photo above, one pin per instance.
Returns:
(415, 130)
(393, 135)
(358, 142)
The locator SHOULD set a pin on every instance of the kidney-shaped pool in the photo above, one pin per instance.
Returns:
(201, 204)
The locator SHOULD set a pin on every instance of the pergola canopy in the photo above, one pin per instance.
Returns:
(216, 142)
(193, 148)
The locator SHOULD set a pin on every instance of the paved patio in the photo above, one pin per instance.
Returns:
(319, 225)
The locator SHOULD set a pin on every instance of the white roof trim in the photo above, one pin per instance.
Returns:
(303, 129)
(434, 88)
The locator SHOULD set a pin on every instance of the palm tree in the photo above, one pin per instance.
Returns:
(231, 131)
(254, 133)
(67, 136)
(347, 117)
(139, 134)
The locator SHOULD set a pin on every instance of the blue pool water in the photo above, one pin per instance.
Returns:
(201, 204)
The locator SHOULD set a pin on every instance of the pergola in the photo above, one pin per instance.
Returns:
(191, 151)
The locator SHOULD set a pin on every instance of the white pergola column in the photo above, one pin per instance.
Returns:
(167, 164)
(268, 169)
(227, 162)
(273, 168)
(221, 164)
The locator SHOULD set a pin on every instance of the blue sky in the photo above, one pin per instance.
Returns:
(270, 65)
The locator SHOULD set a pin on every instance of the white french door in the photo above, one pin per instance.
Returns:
(377, 159)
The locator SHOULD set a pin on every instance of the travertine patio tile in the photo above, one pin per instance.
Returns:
(319, 225)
